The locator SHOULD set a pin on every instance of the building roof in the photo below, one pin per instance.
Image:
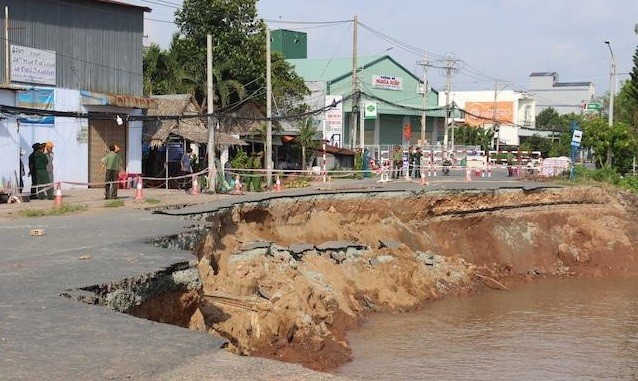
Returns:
(331, 69)
(572, 84)
(544, 74)
(115, 2)
(156, 132)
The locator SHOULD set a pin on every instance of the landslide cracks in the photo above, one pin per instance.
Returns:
(268, 300)
(286, 278)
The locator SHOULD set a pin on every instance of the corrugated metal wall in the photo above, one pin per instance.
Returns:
(98, 45)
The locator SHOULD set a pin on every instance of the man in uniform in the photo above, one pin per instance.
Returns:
(111, 163)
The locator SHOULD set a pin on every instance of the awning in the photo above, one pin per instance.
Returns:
(89, 98)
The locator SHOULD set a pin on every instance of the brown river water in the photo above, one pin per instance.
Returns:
(569, 329)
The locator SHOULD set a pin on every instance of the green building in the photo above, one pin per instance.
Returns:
(292, 44)
(384, 85)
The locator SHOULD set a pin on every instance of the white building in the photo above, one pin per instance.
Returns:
(564, 97)
(510, 110)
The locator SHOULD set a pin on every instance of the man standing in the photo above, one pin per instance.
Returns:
(34, 180)
(111, 163)
(48, 151)
(186, 168)
(40, 163)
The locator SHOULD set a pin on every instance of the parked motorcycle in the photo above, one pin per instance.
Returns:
(447, 164)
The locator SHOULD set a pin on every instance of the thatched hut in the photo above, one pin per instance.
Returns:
(173, 134)
(192, 126)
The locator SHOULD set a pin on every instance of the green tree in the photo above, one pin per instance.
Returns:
(474, 136)
(238, 52)
(549, 120)
(538, 143)
(163, 73)
(306, 139)
(633, 88)
(616, 144)
(626, 107)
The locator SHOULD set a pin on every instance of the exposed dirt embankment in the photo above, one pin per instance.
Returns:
(293, 302)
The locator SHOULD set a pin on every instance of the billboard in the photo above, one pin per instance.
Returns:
(479, 113)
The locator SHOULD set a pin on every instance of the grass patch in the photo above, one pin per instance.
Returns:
(114, 203)
(152, 201)
(55, 211)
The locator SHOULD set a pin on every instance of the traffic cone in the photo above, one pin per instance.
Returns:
(468, 175)
(139, 195)
(277, 184)
(195, 187)
(57, 200)
(238, 186)
(423, 182)
(489, 169)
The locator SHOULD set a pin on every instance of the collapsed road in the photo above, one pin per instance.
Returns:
(284, 277)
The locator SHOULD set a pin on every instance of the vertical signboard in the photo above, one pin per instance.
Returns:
(334, 120)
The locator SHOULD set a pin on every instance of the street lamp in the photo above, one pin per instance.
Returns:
(612, 83)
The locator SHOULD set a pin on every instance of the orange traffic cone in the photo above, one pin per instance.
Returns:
(195, 187)
(57, 200)
(277, 184)
(238, 186)
(139, 196)
(423, 182)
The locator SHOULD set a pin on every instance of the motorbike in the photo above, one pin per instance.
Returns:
(447, 164)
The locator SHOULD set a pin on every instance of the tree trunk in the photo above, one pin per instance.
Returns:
(303, 158)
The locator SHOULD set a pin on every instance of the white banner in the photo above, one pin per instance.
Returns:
(387, 82)
(32, 65)
(334, 119)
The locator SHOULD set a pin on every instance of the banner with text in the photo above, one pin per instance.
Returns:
(32, 65)
(387, 82)
(334, 119)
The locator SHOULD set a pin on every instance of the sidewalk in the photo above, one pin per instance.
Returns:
(157, 198)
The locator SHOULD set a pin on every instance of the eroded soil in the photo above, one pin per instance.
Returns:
(298, 309)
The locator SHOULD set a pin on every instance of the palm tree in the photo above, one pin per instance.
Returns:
(306, 139)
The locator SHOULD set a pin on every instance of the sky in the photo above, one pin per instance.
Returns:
(492, 41)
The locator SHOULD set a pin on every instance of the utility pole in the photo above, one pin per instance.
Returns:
(7, 71)
(424, 63)
(612, 90)
(495, 126)
(450, 68)
(268, 148)
(355, 87)
(209, 110)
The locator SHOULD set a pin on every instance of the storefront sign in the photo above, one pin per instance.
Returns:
(387, 82)
(334, 116)
(370, 110)
(32, 65)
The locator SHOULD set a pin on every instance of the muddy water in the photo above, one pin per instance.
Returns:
(551, 330)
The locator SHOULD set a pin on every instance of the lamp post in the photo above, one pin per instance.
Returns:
(612, 90)
(612, 83)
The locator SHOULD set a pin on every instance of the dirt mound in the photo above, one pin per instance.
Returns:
(285, 279)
